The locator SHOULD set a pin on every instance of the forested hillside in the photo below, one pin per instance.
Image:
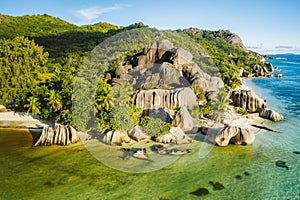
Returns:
(40, 56)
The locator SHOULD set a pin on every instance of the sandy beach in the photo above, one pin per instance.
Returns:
(21, 120)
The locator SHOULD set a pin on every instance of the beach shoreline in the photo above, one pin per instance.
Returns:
(21, 120)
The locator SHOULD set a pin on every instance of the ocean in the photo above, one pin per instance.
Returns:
(232, 172)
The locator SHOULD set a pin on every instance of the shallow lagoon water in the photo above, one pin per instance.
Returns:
(71, 172)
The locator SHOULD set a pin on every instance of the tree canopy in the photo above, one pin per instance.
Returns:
(21, 60)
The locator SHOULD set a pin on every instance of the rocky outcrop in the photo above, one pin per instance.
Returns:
(230, 37)
(260, 71)
(60, 135)
(169, 99)
(115, 138)
(138, 135)
(245, 73)
(247, 100)
(175, 136)
(161, 64)
(269, 67)
(163, 75)
(270, 114)
(184, 120)
(157, 52)
(181, 57)
(229, 134)
(196, 76)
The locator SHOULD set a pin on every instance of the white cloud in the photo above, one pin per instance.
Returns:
(87, 15)
(270, 49)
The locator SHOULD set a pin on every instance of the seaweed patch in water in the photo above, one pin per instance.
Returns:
(200, 192)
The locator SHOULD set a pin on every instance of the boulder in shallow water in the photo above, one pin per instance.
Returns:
(176, 136)
(270, 114)
(115, 138)
(229, 134)
(138, 135)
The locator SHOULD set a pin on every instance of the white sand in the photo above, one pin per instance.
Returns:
(21, 120)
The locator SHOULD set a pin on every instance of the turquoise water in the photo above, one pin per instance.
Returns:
(245, 172)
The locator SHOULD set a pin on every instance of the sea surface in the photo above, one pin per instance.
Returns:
(232, 172)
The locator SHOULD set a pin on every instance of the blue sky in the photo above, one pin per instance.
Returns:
(265, 26)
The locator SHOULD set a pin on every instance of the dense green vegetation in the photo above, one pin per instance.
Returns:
(21, 62)
(227, 57)
(41, 54)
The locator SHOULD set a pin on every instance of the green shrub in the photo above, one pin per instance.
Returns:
(242, 112)
(154, 127)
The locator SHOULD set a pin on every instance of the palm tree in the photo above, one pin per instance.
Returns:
(33, 105)
(122, 93)
(54, 101)
(104, 97)
(219, 106)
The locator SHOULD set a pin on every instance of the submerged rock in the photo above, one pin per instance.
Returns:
(200, 192)
(296, 152)
(247, 174)
(238, 177)
(270, 114)
(170, 151)
(217, 185)
(282, 164)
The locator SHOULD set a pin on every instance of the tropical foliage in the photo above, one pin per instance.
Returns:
(40, 56)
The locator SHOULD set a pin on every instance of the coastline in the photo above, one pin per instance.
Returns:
(23, 120)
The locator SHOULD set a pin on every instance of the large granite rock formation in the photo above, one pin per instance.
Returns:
(175, 136)
(115, 138)
(229, 134)
(230, 37)
(184, 120)
(247, 100)
(259, 71)
(270, 67)
(270, 114)
(195, 75)
(169, 99)
(60, 135)
(162, 77)
(161, 64)
(138, 135)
